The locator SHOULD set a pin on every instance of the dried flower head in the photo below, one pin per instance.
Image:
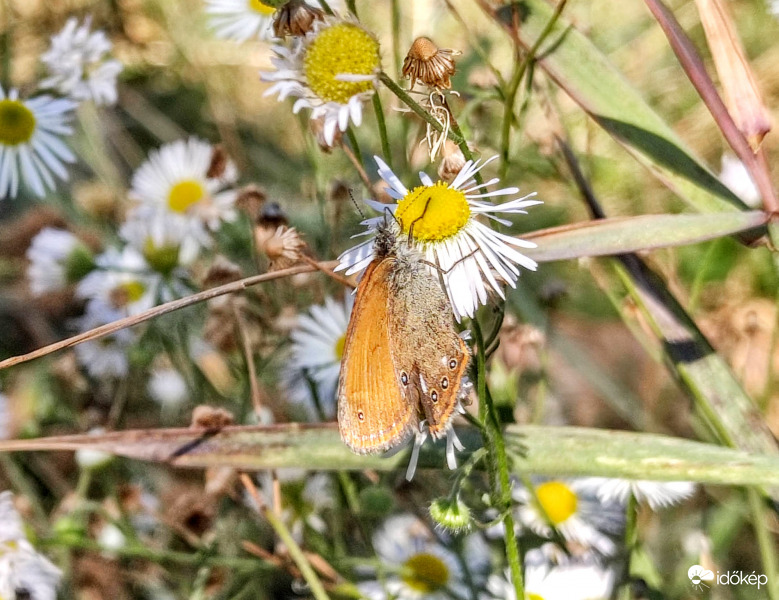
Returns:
(296, 18)
(283, 248)
(219, 162)
(221, 272)
(251, 199)
(452, 162)
(432, 65)
(210, 417)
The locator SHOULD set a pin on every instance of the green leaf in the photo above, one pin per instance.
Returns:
(630, 234)
(593, 82)
(555, 451)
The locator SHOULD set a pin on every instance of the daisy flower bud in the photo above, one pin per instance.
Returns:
(452, 515)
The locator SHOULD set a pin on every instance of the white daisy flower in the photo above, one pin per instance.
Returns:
(421, 566)
(168, 388)
(57, 259)
(23, 571)
(175, 179)
(165, 240)
(545, 582)
(473, 258)
(77, 63)
(317, 348)
(31, 148)
(737, 179)
(241, 20)
(573, 510)
(332, 71)
(657, 494)
(123, 280)
(105, 357)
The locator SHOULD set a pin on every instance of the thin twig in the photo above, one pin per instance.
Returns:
(158, 311)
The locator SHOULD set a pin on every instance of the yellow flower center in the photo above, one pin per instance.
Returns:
(339, 347)
(184, 194)
(162, 259)
(127, 293)
(557, 500)
(17, 123)
(425, 573)
(342, 49)
(260, 7)
(436, 212)
(533, 597)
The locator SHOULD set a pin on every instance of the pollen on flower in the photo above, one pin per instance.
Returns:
(436, 212)
(425, 573)
(17, 123)
(341, 49)
(557, 500)
(184, 194)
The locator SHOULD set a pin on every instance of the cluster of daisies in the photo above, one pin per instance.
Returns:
(583, 561)
(34, 128)
(182, 194)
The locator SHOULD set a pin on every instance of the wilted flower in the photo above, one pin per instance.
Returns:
(429, 64)
(57, 259)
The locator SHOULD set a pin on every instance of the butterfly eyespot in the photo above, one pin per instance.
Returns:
(453, 364)
(445, 383)
(404, 378)
(434, 396)
(360, 415)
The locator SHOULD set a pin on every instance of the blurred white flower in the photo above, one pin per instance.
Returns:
(104, 357)
(562, 582)
(164, 239)
(421, 566)
(737, 179)
(240, 20)
(78, 66)
(111, 538)
(572, 507)
(332, 71)
(447, 233)
(123, 281)
(175, 179)
(57, 258)
(23, 571)
(168, 388)
(89, 458)
(657, 494)
(31, 146)
(317, 348)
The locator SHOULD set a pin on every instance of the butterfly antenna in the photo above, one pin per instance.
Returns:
(357, 206)
(414, 222)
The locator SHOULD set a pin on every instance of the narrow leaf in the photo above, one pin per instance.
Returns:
(630, 234)
(553, 451)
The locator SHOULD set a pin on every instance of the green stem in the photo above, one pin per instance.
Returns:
(765, 542)
(414, 105)
(395, 7)
(355, 146)
(317, 589)
(513, 86)
(631, 540)
(350, 5)
(498, 463)
(385, 147)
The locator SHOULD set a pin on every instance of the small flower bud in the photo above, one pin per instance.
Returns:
(452, 515)
(452, 162)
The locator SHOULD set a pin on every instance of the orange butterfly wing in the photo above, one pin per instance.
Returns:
(374, 412)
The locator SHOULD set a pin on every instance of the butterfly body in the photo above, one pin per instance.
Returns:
(403, 358)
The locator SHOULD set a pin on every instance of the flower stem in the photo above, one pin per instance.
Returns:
(498, 462)
(513, 85)
(355, 146)
(765, 542)
(385, 147)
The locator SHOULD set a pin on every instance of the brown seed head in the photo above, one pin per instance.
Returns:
(283, 248)
(251, 200)
(430, 64)
(296, 18)
(218, 165)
